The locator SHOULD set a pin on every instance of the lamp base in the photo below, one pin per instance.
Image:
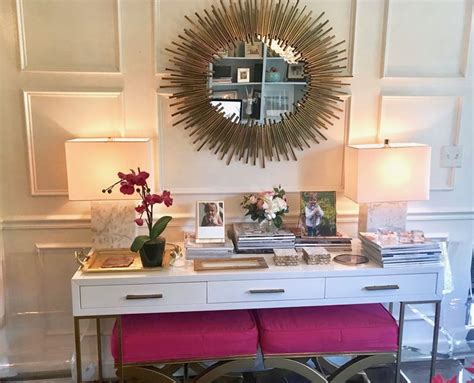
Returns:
(113, 225)
(382, 215)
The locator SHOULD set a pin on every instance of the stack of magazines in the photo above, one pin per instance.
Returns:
(207, 250)
(251, 238)
(392, 253)
(338, 242)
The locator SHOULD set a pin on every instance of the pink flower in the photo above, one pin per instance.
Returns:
(168, 201)
(140, 178)
(260, 203)
(136, 182)
(156, 198)
(127, 188)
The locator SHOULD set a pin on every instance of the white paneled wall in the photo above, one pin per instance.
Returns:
(88, 68)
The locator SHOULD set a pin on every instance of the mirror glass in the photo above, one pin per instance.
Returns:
(254, 81)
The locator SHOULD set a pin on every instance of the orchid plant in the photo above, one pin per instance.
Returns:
(136, 182)
(269, 205)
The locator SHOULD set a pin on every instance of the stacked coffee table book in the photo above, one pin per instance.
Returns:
(392, 253)
(196, 250)
(251, 238)
(339, 242)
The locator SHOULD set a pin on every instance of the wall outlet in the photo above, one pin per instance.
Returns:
(451, 156)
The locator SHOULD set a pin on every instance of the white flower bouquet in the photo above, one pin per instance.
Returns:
(269, 205)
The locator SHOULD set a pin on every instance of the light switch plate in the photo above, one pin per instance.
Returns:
(451, 156)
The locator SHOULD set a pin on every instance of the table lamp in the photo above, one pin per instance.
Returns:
(382, 178)
(92, 165)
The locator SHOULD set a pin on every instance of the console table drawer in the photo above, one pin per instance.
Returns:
(265, 290)
(384, 285)
(156, 294)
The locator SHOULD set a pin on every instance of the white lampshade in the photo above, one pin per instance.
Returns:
(380, 173)
(93, 164)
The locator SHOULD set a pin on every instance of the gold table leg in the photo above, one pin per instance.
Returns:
(77, 340)
(99, 348)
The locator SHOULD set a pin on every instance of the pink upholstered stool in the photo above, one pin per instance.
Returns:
(368, 329)
(181, 338)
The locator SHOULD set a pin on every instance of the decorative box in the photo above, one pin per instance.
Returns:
(316, 255)
(286, 257)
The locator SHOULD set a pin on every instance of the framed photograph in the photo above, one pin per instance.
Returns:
(318, 214)
(295, 72)
(225, 95)
(253, 50)
(231, 107)
(210, 224)
(243, 74)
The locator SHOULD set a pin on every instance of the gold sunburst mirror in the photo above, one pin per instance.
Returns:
(222, 71)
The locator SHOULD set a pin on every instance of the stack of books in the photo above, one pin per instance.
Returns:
(250, 238)
(395, 254)
(338, 242)
(207, 250)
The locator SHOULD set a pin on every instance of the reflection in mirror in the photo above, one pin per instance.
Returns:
(256, 82)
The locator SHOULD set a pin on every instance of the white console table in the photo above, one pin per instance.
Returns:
(178, 289)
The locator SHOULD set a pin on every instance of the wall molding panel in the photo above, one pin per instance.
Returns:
(73, 222)
(74, 51)
(49, 124)
(432, 120)
(404, 59)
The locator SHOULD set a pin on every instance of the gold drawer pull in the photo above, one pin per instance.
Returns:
(266, 291)
(144, 296)
(382, 287)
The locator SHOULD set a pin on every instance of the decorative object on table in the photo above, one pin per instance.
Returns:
(286, 257)
(339, 242)
(225, 94)
(252, 238)
(253, 49)
(87, 160)
(316, 255)
(296, 72)
(273, 75)
(176, 257)
(318, 214)
(151, 246)
(294, 44)
(382, 178)
(229, 108)
(386, 250)
(267, 206)
(350, 259)
(211, 264)
(113, 260)
(222, 74)
(210, 221)
(196, 250)
(243, 74)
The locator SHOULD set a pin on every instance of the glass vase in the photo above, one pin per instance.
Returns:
(268, 226)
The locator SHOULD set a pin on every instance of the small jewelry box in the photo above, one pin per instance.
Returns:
(286, 257)
(316, 255)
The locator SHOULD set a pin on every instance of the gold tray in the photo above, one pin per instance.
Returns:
(92, 262)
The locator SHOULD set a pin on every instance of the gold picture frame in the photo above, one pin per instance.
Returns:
(212, 264)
